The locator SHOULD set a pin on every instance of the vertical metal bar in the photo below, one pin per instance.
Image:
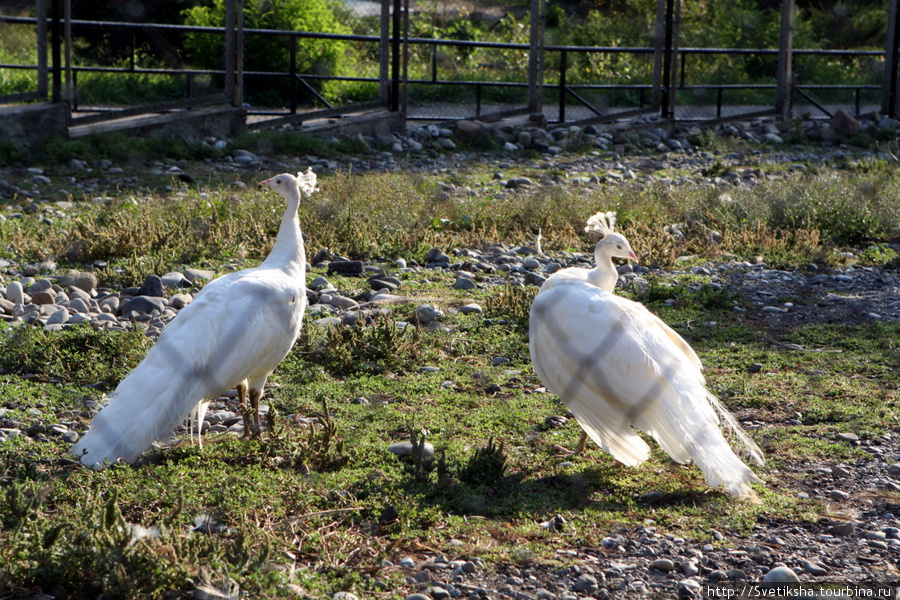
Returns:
(189, 80)
(889, 91)
(42, 80)
(536, 57)
(68, 60)
(785, 74)
(433, 63)
(293, 74)
(563, 60)
(394, 104)
(56, 42)
(74, 97)
(477, 99)
(668, 61)
(239, 54)
(658, 40)
(403, 97)
(681, 69)
(229, 52)
(719, 103)
(384, 54)
(858, 105)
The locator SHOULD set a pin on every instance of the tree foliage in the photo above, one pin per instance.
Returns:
(272, 54)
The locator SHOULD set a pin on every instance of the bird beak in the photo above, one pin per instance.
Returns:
(266, 182)
(634, 257)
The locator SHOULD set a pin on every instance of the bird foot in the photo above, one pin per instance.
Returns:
(565, 451)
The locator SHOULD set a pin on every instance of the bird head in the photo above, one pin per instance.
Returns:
(285, 184)
(615, 245)
(601, 227)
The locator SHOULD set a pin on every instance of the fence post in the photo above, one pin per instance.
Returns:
(229, 52)
(43, 86)
(394, 103)
(536, 57)
(670, 58)
(658, 37)
(293, 72)
(239, 55)
(889, 94)
(405, 74)
(563, 67)
(70, 74)
(784, 85)
(56, 50)
(384, 54)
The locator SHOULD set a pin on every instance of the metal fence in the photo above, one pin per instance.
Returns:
(431, 61)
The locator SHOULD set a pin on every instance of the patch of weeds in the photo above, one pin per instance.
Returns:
(486, 467)
(374, 348)
(879, 255)
(289, 143)
(352, 145)
(94, 552)
(10, 152)
(315, 448)
(717, 169)
(71, 354)
(706, 138)
(704, 296)
(511, 303)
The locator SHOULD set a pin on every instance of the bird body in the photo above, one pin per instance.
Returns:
(618, 367)
(239, 327)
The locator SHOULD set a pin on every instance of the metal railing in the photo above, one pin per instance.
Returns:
(567, 94)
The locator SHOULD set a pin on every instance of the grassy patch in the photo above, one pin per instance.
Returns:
(320, 506)
(321, 503)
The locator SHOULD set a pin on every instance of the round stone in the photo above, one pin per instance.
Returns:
(663, 564)
(781, 575)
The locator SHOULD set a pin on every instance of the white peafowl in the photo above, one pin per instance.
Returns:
(617, 366)
(234, 333)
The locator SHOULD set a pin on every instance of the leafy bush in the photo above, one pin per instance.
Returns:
(314, 56)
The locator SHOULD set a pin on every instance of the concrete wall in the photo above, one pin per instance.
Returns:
(31, 125)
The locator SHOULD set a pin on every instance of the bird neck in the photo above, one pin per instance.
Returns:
(289, 253)
(604, 275)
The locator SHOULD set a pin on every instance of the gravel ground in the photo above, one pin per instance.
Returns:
(857, 542)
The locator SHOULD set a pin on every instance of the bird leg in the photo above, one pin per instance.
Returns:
(256, 428)
(579, 449)
(245, 411)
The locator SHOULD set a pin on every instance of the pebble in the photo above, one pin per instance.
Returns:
(471, 309)
(406, 449)
(663, 564)
(781, 575)
(427, 314)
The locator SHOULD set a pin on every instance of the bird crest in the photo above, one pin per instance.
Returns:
(601, 225)
(307, 182)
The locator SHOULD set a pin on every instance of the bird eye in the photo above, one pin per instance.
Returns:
(278, 181)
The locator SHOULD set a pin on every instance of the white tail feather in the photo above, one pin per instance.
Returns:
(146, 406)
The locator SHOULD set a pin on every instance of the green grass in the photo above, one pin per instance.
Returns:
(320, 507)
(308, 506)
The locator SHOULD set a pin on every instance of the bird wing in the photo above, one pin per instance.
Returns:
(616, 365)
(239, 326)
